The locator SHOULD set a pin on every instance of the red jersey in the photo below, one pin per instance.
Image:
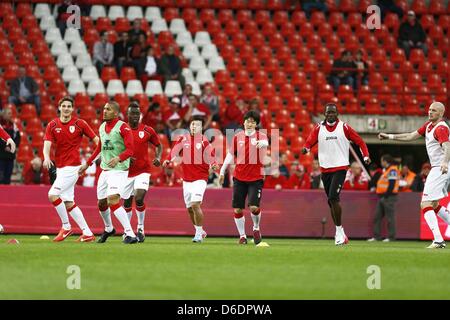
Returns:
(249, 166)
(197, 155)
(295, 182)
(67, 139)
(200, 110)
(164, 180)
(142, 135)
(271, 182)
(441, 133)
(3, 134)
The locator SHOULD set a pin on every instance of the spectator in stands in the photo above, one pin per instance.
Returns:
(411, 35)
(122, 50)
(316, 181)
(196, 109)
(103, 52)
(36, 173)
(184, 99)
(419, 181)
(313, 5)
(356, 179)
(154, 117)
(138, 55)
(299, 178)
(151, 70)
(172, 118)
(362, 74)
(168, 178)
(406, 179)
(375, 173)
(136, 31)
(6, 157)
(234, 114)
(276, 180)
(211, 100)
(24, 89)
(254, 105)
(171, 66)
(389, 6)
(343, 71)
(284, 164)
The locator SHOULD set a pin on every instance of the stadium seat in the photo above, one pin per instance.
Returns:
(152, 13)
(153, 87)
(134, 87)
(27, 112)
(100, 99)
(172, 88)
(202, 38)
(197, 63)
(52, 35)
(114, 86)
(76, 86)
(177, 26)
(204, 76)
(81, 99)
(58, 48)
(95, 86)
(42, 10)
(190, 51)
(70, 73)
(135, 12)
(33, 125)
(72, 35)
(248, 90)
(158, 26)
(83, 60)
(121, 25)
(88, 112)
(115, 12)
(64, 60)
(127, 74)
(184, 38)
(47, 22)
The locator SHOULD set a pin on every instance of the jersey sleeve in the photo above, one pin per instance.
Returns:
(153, 136)
(441, 134)
(313, 137)
(3, 134)
(87, 130)
(351, 135)
(48, 132)
(209, 152)
(423, 129)
(128, 140)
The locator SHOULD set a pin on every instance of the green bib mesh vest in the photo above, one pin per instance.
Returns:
(112, 146)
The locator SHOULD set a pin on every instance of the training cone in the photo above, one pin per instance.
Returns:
(13, 241)
(44, 238)
(263, 244)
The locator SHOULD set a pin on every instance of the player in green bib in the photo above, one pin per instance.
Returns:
(115, 148)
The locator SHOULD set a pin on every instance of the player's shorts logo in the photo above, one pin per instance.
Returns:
(72, 129)
(141, 134)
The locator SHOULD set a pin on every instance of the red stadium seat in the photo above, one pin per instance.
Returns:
(297, 144)
(287, 91)
(268, 90)
(108, 73)
(332, 42)
(207, 15)
(395, 81)
(127, 73)
(282, 118)
(317, 18)
(224, 16)
(27, 112)
(33, 125)
(252, 65)
(189, 14)
(238, 39)
(213, 27)
(11, 72)
(234, 64)
(345, 93)
(230, 90)
(222, 76)
(290, 66)
(290, 131)
(100, 99)
(232, 27)
(88, 112)
(298, 78)
(7, 60)
(306, 29)
(82, 99)
(250, 28)
(373, 107)
(241, 77)
(298, 18)
(414, 81)
(354, 19)
(260, 77)
(248, 90)
(51, 72)
(336, 19)
(24, 153)
(398, 56)
(416, 56)
(122, 25)
(271, 65)
(122, 99)
(347, 6)
(170, 14)
(326, 92)
(37, 140)
(278, 77)
(419, 7)
(243, 16)
(295, 41)
(103, 24)
(261, 17)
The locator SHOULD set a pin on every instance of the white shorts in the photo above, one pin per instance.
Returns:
(193, 192)
(140, 181)
(436, 185)
(64, 185)
(111, 182)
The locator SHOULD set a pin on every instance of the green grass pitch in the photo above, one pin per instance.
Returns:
(176, 268)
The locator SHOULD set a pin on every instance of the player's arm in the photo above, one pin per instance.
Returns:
(312, 140)
(47, 161)
(353, 136)
(92, 158)
(9, 141)
(400, 136)
(154, 140)
(210, 155)
(175, 153)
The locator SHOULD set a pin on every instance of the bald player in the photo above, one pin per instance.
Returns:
(436, 133)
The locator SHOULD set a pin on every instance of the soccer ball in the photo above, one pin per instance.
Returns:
(1, 229)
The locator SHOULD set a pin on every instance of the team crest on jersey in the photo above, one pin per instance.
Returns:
(72, 129)
(141, 134)
(198, 145)
(253, 141)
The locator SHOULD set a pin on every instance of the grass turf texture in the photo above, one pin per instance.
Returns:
(176, 268)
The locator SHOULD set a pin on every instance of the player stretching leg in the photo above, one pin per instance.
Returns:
(66, 133)
(116, 147)
(195, 165)
(139, 174)
(333, 137)
(436, 133)
(248, 175)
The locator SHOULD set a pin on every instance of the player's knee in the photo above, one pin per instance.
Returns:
(195, 205)
(238, 210)
(139, 201)
(333, 201)
(69, 204)
(102, 204)
(52, 198)
(127, 203)
(254, 210)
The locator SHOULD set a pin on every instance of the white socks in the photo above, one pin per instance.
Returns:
(256, 219)
(121, 215)
(240, 224)
(77, 215)
(106, 216)
(198, 231)
(339, 230)
(129, 214)
(62, 212)
(430, 217)
(140, 212)
(444, 215)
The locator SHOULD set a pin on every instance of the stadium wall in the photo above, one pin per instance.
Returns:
(287, 213)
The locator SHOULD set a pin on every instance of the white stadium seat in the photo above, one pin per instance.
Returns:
(89, 73)
(134, 12)
(72, 35)
(153, 87)
(97, 11)
(209, 51)
(134, 87)
(70, 73)
(114, 86)
(53, 35)
(42, 10)
(173, 88)
(64, 60)
(196, 64)
(188, 75)
(59, 47)
(184, 38)
(47, 22)
(83, 60)
(76, 86)
(202, 38)
(216, 64)
(95, 86)
(77, 48)
(195, 88)
(204, 76)
(177, 25)
(158, 26)
(116, 12)
(190, 51)
(152, 13)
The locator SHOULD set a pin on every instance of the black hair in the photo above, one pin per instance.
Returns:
(388, 158)
(66, 98)
(252, 114)
(154, 106)
(197, 118)
(134, 105)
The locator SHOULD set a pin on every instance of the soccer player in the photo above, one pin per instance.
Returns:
(139, 176)
(197, 158)
(248, 177)
(333, 137)
(116, 147)
(436, 133)
(9, 141)
(66, 133)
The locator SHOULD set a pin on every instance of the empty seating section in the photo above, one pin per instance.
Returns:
(264, 48)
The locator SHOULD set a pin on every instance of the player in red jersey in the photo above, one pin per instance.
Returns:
(248, 177)
(195, 165)
(66, 133)
(139, 172)
(9, 142)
